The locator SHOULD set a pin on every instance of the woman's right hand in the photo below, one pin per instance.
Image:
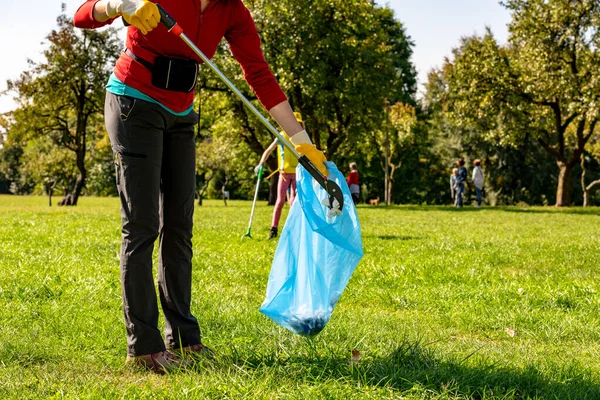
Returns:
(304, 146)
(142, 14)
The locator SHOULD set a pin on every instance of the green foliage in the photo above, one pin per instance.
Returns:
(12, 178)
(336, 61)
(543, 87)
(218, 159)
(101, 166)
(529, 109)
(48, 165)
(446, 304)
(62, 97)
(515, 172)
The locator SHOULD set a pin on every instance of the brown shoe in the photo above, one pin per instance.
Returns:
(159, 363)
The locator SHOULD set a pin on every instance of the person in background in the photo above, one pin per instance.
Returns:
(461, 179)
(478, 181)
(353, 182)
(286, 187)
(150, 122)
(453, 178)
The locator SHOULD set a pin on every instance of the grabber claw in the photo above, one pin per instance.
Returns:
(336, 197)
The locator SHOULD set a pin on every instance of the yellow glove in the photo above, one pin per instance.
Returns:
(142, 14)
(304, 146)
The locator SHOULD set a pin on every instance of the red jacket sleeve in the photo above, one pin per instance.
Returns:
(245, 45)
(84, 16)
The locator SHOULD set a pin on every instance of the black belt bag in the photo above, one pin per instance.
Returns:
(168, 73)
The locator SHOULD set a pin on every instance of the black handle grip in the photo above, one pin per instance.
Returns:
(305, 162)
(330, 187)
(165, 18)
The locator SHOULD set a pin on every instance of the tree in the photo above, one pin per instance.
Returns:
(336, 61)
(218, 158)
(224, 116)
(394, 141)
(593, 154)
(49, 165)
(62, 97)
(101, 166)
(516, 171)
(543, 84)
(210, 159)
(12, 178)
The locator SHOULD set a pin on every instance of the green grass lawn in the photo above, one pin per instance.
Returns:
(496, 303)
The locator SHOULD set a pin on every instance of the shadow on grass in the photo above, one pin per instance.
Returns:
(415, 369)
(425, 208)
(551, 210)
(394, 237)
(510, 209)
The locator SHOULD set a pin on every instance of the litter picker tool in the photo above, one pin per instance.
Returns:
(332, 189)
(249, 233)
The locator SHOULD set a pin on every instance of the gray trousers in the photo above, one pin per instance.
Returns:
(155, 159)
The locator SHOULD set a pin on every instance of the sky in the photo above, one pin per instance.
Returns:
(435, 26)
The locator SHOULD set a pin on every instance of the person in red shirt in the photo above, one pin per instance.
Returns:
(353, 182)
(150, 123)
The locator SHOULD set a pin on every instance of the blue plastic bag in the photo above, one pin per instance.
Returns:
(316, 256)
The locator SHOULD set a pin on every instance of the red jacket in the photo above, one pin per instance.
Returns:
(353, 178)
(222, 18)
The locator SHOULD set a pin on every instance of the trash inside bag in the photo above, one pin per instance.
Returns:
(317, 253)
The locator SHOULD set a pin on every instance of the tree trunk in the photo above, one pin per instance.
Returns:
(201, 193)
(583, 185)
(70, 199)
(79, 186)
(588, 189)
(67, 200)
(390, 184)
(273, 189)
(563, 191)
(386, 170)
(49, 190)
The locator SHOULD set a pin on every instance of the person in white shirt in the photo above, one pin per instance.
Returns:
(478, 180)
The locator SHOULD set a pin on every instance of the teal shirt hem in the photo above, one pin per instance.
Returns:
(116, 87)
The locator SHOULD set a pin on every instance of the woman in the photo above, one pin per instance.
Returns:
(149, 119)
(286, 164)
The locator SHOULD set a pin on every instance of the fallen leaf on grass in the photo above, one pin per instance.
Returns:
(355, 357)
